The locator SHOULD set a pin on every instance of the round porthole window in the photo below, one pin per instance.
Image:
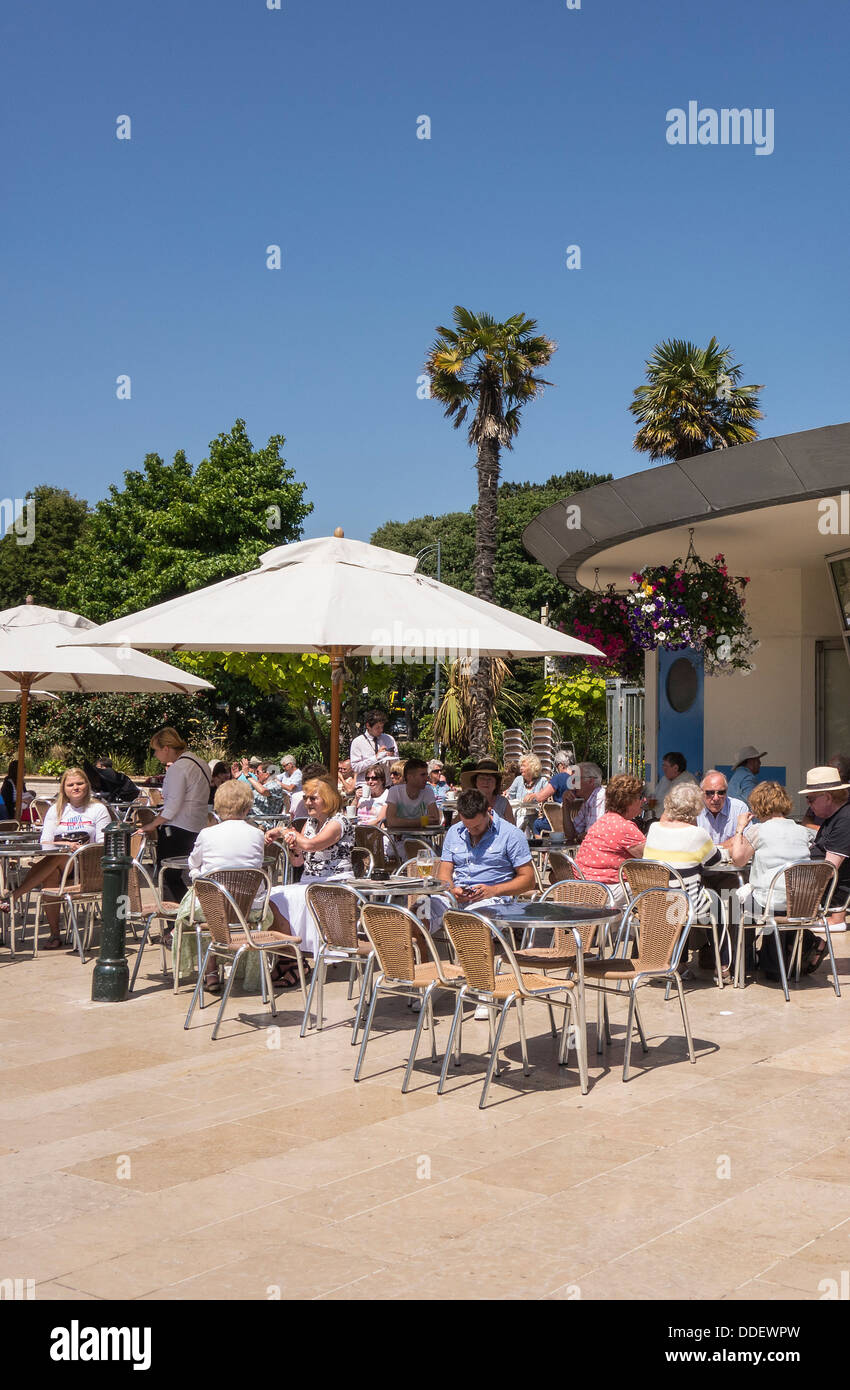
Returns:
(682, 685)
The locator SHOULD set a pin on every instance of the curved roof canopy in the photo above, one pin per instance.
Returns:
(758, 503)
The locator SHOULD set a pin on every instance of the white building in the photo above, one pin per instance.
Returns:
(779, 510)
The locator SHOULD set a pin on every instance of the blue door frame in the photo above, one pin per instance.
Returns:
(681, 730)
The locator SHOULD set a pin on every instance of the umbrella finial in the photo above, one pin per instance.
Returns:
(338, 531)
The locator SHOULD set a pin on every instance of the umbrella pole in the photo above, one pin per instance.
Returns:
(22, 748)
(337, 678)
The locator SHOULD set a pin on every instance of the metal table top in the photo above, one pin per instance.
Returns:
(547, 914)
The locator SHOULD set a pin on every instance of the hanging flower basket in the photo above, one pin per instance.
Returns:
(603, 620)
(695, 603)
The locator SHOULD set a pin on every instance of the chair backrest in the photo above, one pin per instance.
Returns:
(155, 796)
(88, 868)
(563, 868)
(143, 815)
(582, 894)
(335, 909)
(9, 827)
(137, 880)
(412, 846)
(472, 940)
(379, 843)
(554, 814)
(638, 875)
(665, 916)
(225, 898)
(362, 861)
(391, 932)
(805, 886)
(39, 808)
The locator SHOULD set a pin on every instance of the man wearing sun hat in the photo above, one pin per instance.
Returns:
(829, 799)
(744, 773)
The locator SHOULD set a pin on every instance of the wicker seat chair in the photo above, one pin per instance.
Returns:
(81, 886)
(39, 808)
(380, 844)
(477, 943)
(146, 906)
(808, 893)
(639, 875)
(226, 898)
(561, 953)
(9, 827)
(563, 868)
(664, 916)
(554, 813)
(394, 935)
(362, 862)
(335, 909)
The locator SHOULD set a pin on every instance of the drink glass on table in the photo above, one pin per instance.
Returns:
(424, 864)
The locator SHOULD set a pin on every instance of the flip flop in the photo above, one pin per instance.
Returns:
(817, 956)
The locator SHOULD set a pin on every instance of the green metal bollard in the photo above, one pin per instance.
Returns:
(111, 978)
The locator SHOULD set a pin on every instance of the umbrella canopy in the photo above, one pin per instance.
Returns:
(342, 597)
(33, 652)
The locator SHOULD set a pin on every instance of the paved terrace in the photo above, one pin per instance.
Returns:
(138, 1161)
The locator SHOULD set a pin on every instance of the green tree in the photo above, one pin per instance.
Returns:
(41, 568)
(577, 705)
(488, 368)
(171, 529)
(692, 402)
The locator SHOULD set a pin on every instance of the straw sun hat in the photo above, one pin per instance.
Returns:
(823, 779)
(467, 778)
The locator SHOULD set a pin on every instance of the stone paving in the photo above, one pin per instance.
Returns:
(140, 1161)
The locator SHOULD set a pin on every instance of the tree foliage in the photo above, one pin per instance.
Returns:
(692, 402)
(41, 568)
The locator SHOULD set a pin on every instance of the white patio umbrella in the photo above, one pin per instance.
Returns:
(34, 652)
(344, 598)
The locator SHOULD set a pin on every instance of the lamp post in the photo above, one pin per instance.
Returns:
(111, 978)
(435, 548)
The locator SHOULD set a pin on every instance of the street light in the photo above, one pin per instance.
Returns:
(435, 548)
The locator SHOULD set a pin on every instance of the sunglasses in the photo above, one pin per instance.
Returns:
(710, 795)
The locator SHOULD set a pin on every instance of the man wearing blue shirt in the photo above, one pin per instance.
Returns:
(745, 772)
(721, 812)
(484, 856)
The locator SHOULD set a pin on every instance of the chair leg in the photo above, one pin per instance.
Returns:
(197, 990)
(780, 957)
(630, 1027)
(139, 954)
(176, 943)
(639, 1022)
(685, 1019)
(420, 1023)
(577, 1007)
(265, 974)
(523, 1041)
(607, 1018)
(365, 986)
(600, 1005)
(317, 966)
(494, 1051)
(832, 961)
(552, 1021)
(449, 1041)
(320, 994)
(299, 958)
(717, 964)
(366, 1030)
(351, 972)
(227, 988)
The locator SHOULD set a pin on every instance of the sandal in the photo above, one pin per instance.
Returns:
(817, 955)
(212, 986)
(286, 976)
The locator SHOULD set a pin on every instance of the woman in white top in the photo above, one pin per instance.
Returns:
(73, 811)
(769, 845)
(372, 805)
(677, 840)
(185, 806)
(230, 844)
(325, 847)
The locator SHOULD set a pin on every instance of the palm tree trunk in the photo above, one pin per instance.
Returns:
(486, 535)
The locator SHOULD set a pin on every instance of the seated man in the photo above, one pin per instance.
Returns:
(674, 771)
(412, 804)
(483, 857)
(720, 813)
(268, 792)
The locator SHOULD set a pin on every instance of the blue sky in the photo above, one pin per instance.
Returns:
(297, 127)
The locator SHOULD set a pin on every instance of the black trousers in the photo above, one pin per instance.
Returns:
(173, 842)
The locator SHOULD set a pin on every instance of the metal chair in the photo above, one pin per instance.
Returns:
(554, 813)
(475, 940)
(362, 862)
(146, 906)
(226, 900)
(81, 886)
(664, 916)
(335, 909)
(39, 808)
(808, 893)
(394, 936)
(9, 827)
(380, 844)
(561, 953)
(639, 875)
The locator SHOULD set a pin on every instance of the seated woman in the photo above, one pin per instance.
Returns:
(9, 793)
(614, 838)
(771, 844)
(487, 777)
(231, 844)
(372, 805)
(676, 839)
(324, 847)
(74, 810)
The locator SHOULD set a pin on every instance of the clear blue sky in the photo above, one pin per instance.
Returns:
(298, 127)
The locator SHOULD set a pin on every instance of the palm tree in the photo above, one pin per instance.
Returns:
(693, 402)
(488, 368)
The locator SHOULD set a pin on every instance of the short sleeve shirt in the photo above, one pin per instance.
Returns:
(411, 810)
(834, 838)
(495, 859)
(609, 842)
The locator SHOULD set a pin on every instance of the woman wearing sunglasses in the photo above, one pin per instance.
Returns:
(372, 805)
(324, 848)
